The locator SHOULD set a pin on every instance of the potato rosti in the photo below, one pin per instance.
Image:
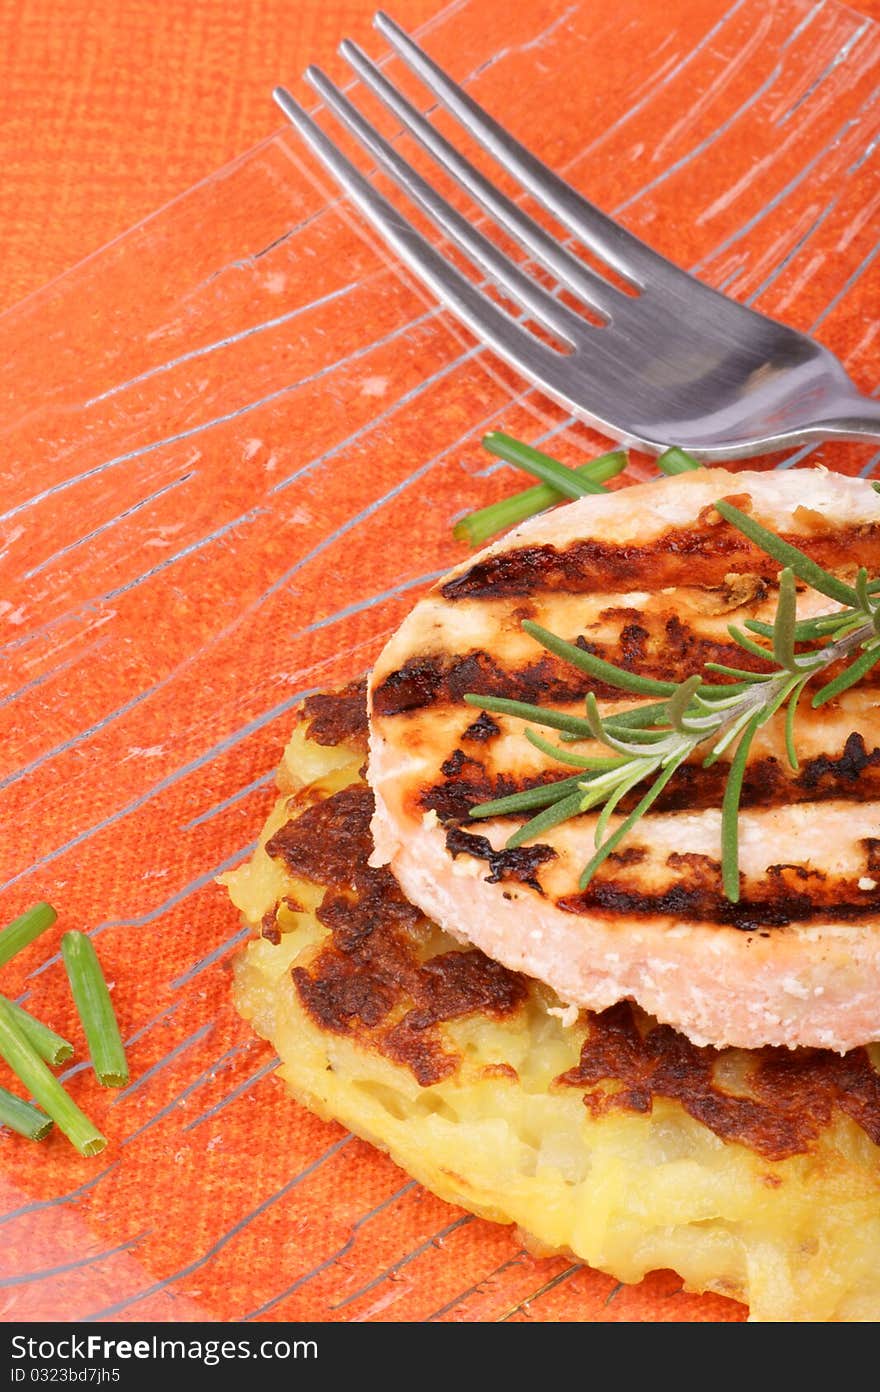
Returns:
(755, 1174)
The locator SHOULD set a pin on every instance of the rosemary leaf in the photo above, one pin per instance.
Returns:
(550, 817)
(528, 798)
(738, 672)
(790, 714)
(786, 618)
(650, 742)
(565, 756)
(730, 813)
(626, 826)
(553, 720)
(856, 670)
(679, 702)
(625, 786)
(596, 666)
(746, 642)
(777, 701)
(804, 629)
(805, 569)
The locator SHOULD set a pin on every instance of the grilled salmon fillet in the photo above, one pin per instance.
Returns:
(649, 578)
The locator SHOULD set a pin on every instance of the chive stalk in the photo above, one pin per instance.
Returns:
(677, 461)
(479, 526)
(45, 1088)
(22, 930)
(95, 1009)
(540, 465)
(52, 1047)
(23, 1117)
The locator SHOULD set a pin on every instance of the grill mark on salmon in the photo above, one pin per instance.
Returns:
(681, 556)
(853, 774)
(520, 864)
(438, 679)
(787, 894)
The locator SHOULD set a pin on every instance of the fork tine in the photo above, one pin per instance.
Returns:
(629, 256)
(531, 296)
(546, 250)
(488, 321)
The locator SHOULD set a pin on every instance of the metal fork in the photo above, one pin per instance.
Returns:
(672, 362)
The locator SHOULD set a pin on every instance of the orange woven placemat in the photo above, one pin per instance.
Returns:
(108, 108)
(233, 444)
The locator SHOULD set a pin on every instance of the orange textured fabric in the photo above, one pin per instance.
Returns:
(233, 447)
(108, 108)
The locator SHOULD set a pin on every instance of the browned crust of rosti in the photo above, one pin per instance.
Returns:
(793, 1094)
(338, 717)
(372, 980)
(680, 556)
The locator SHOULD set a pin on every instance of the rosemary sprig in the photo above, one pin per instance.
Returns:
(649, 743)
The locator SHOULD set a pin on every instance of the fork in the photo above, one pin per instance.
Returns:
(670, 361)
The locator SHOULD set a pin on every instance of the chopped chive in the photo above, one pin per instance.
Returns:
(677, 461)
(539, 465)
(52, 1047)
(45, 1088)
(23, 1117)
(479, 526)
(95, 1009)
(815, 575)
(22, 930)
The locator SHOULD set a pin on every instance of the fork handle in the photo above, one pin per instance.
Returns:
(857, 418)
